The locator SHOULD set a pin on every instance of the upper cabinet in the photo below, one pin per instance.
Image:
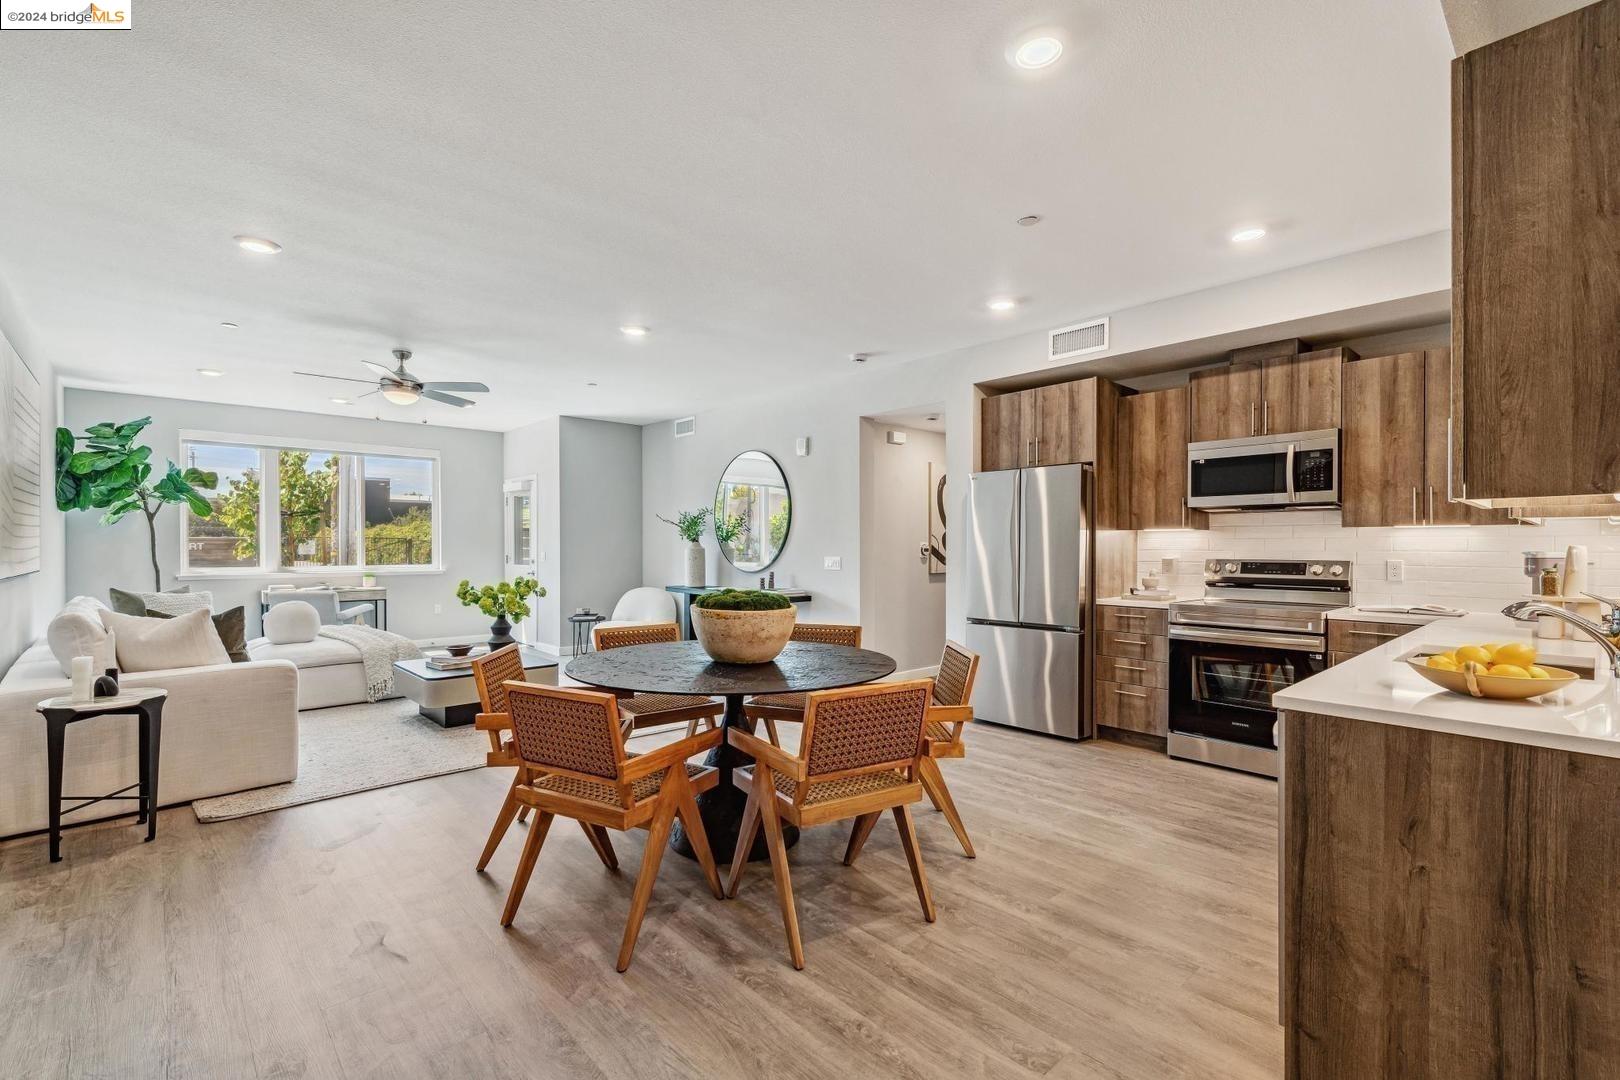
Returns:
(1049, 425)
(1535, 232)
(1152, 461)
(1392, 471)
(1269, 390)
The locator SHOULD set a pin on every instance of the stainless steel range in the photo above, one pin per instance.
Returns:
(1261, 626)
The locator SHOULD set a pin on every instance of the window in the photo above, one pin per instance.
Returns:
(296, 508)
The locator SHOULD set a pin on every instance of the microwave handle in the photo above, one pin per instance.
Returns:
(1289, 468)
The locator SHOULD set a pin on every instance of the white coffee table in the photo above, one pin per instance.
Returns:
(450, 698)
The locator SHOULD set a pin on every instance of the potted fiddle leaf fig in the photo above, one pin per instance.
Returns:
(111, 473)
(689, 523)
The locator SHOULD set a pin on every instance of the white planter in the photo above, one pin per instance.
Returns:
(696, 568)
(743, 637)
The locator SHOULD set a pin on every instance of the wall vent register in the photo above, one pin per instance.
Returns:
(1079, 339)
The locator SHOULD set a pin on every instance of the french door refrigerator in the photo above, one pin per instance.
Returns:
(1029, 556)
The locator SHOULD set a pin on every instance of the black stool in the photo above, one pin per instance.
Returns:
(144, 702)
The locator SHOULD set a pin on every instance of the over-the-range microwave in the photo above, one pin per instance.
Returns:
(1282, 472)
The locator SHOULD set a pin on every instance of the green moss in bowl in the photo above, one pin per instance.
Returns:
(742, 600)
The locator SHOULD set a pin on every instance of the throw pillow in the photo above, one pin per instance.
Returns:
(290, 622)
(77, 631)
(184, 641)
(128, 602)
(230, 625)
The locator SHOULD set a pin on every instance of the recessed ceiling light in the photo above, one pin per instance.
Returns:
(341, 401)
(1001, 303)
(228, 325)
(258, 245)
(633, 331)
(1029, 219)
(859, 357)
(590, 386)
(1038, 52)
(212, 373)
(1248, 235)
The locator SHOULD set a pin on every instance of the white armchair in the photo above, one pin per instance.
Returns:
(646, 604)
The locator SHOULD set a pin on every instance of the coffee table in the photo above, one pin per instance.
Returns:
(450, 698)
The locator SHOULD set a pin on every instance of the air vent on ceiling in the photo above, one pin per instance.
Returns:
(1080, 339)
(686, 425)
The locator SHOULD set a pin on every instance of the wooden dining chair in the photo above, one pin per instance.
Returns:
(860, 755)
(571, 747)
(776, 709)
(949, 710)
(492, 672)
(638, 711)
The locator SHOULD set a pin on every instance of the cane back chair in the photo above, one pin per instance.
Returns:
(638, 711)
(776, 709)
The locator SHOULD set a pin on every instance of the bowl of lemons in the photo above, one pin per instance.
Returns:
(1505, 672)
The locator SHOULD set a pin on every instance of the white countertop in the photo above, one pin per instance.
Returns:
(1354, 614)
(1141, 601)
(1376, 686)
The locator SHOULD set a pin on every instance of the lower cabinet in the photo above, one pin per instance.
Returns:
(1143, 709)
(1130, 670)
(1352, 637)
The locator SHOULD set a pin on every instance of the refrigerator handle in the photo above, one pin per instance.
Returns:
(1016, 547)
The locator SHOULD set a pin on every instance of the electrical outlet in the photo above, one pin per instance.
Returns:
(832, 562)
(1394, 569)
(438, 609)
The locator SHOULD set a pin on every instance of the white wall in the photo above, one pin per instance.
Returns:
(681, 473)
(902, 604)
(1480, 567)
(470, 509)
(600, 484)
(28, 602)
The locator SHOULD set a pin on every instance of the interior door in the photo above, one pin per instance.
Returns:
(520, 558)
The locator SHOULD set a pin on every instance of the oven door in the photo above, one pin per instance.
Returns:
(1283, 471)
(1221, 681)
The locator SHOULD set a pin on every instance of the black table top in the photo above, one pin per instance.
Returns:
(682, 667)
(798, 596)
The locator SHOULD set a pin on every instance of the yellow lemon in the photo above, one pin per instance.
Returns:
(1472, 654)
(1443, 663)
(1508, 671)
(1491, 647)
(1538, 672)
(1516, 653)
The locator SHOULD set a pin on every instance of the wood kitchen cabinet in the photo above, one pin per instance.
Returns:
(1152, 461)
(1392, 471)
(1535, 293)
(1048, 425)
(1267, 391)
(1002, 423)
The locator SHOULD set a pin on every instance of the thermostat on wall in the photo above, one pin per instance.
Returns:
(801, 446)
(897, 438)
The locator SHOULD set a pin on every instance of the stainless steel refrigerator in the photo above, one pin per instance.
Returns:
(1029, 555)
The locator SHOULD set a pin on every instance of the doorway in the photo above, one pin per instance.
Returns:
(519, 558)
(905, 534)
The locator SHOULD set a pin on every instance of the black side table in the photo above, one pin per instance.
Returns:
(584, 622)
(144, 702)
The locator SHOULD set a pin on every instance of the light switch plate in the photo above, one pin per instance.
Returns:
(832, 562)
(1394, 569)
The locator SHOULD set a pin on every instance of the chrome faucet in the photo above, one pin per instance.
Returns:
(1530, 609)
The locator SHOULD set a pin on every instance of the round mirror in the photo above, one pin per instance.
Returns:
(752, 511)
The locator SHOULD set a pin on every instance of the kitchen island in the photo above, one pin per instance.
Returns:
(1449, 869)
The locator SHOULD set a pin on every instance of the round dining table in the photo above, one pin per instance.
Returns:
(682, 667)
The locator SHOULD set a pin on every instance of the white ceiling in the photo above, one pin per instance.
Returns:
(770, 187)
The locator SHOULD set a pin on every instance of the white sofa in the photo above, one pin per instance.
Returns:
(226, 727)
(329, 672)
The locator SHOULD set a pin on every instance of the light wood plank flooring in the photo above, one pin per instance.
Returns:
(1119, 923)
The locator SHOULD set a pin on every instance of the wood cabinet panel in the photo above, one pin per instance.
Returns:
(1225, 401)
(1381, 475)
(1535, 293)
(1065, 423)
(1301, 393)
(1152, 461)
(1128, 645)
(1143, 709)
(1351, 637)
(1133, 620)
(1437, 395)
(1132, 672)
(1001, 432)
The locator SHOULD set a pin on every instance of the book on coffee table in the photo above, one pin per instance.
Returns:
(446, 662)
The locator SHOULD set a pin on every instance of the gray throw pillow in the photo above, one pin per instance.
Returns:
(230, 625)
(128, 602)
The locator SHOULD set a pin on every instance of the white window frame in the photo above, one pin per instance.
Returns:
(270, 502)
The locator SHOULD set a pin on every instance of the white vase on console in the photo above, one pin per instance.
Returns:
(696, 564)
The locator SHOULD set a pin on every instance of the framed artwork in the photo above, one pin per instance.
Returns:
(936, 518)
(21, 467)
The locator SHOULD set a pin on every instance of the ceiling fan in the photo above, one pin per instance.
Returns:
(402, 388)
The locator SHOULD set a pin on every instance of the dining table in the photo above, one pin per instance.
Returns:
(682, 667)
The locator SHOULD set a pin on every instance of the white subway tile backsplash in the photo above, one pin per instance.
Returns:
(1479, 567)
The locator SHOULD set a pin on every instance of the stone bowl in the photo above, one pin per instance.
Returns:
(744, 637)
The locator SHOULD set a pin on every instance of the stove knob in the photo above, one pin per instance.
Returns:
(1213, 567)
(1336, 570)
(1316, 569)
(1231, 568)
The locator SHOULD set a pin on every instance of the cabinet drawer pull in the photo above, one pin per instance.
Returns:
(1127, 615)
(1128, 693)
(1265, 418)
(1254, 429)
(1130, 667)
(1431, 504)
(1372, 633)
(1131, 640)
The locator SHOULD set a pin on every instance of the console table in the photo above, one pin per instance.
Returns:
(346, 594)
(688, 593)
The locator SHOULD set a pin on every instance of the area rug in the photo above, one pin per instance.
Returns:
(357, 748)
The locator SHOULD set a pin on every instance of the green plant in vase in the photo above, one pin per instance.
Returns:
(501, 601)
(111, 473)
(689, 523)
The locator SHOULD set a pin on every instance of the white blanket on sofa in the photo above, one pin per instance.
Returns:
(378, 650)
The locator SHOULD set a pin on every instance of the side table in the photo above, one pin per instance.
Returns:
(583, 623)
(144, 702)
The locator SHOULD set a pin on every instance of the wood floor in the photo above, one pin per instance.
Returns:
(1120, 922)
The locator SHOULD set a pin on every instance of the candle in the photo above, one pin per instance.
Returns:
(84, 678)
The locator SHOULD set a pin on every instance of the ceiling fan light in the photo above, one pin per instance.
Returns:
(402, 395)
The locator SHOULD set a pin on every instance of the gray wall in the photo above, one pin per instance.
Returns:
(28, 602)
(599, 480)
(470, 510)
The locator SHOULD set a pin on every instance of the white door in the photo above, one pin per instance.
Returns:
(521, 547)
